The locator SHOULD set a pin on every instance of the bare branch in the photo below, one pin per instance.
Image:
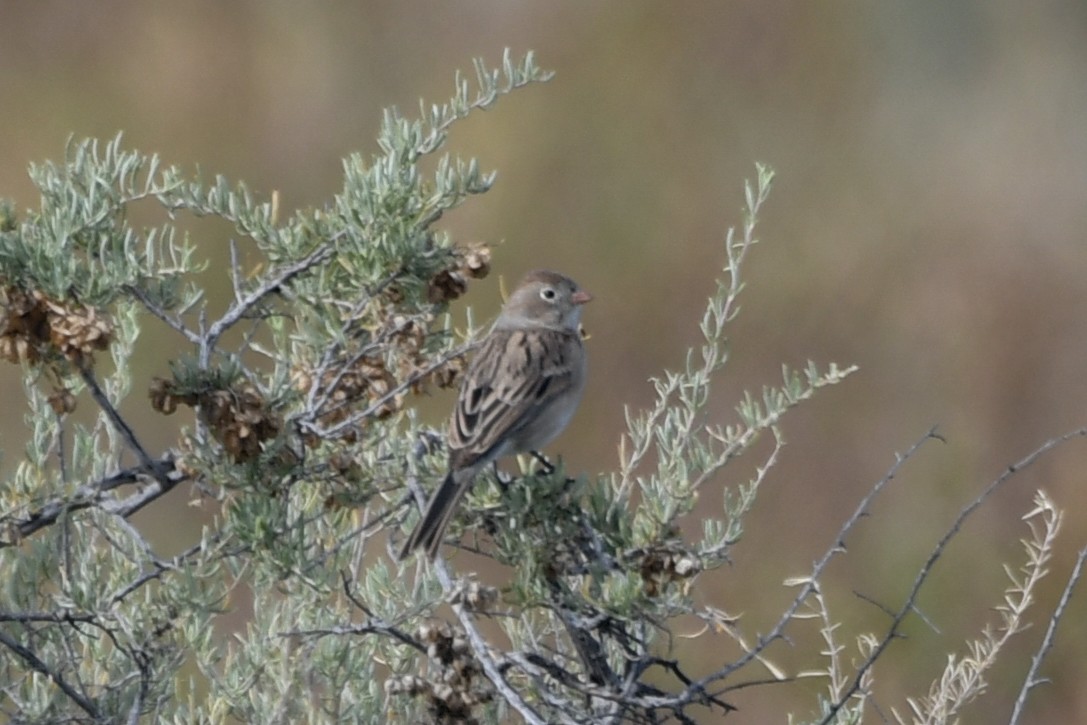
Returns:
(817, 570)
(240, 309)
(62, 617)
(930, 563)
(119, 423)
(1032, 680)
(160, 478)
(481, 648)
(175, 323)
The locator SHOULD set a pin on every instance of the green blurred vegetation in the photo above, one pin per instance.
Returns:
(927, 224)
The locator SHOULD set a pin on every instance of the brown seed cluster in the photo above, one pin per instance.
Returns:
(663, 566)
(368, 380)
(34, 324)
(62, 401)
(238, 417)
(461, 685)
(409, 336)
(370, 383)
(473, 261)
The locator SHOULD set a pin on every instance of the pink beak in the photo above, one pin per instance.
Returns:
(581, 297)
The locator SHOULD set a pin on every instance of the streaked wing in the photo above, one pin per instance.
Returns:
(513, 375)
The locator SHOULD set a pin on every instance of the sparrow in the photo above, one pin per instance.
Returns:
(519, 392)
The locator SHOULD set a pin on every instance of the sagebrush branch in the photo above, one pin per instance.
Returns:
(159, 478)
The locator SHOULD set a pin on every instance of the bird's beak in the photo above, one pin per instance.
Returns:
(581, 297)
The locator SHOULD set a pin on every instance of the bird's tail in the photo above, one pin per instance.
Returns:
(431, 528)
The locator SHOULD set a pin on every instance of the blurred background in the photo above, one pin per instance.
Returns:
(927, 223)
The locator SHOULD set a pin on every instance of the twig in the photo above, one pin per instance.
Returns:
(1031, 680)
(329, 356)
(380, 402)
(891, 613)
(175, 324)
(374, 627)
(930, 563)
(809, 586)
(62, 617)
(115, 418)
(36, 664)
(481, 649)
(89, 495)
(373, 624)
(241, 308)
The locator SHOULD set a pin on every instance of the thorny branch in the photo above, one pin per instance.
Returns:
(1032, 680)
(778, 630)
(893, 631)
(634, 702)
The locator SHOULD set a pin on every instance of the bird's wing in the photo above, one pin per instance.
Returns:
(513, 376)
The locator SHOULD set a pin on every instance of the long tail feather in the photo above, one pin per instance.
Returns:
(439, 512)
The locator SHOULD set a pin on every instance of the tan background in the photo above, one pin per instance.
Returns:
(927, 224)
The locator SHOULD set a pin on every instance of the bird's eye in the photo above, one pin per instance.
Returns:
(547, 293)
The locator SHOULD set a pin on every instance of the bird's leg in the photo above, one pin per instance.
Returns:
(547, 467)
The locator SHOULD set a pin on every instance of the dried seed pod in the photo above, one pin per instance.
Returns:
(446, 286)
(32, 322)
(62, 401)
(476, 260)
